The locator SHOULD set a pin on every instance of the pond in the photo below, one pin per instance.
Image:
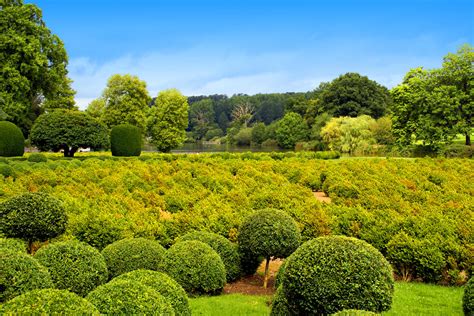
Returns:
(212, 147)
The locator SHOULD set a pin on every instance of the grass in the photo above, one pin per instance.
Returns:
(410, 299)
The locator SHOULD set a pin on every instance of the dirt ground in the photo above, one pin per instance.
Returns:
(253, 285)
(322, 197)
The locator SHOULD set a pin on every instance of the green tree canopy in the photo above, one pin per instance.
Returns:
(201, 118)
(290, 130)
(124, 101)
(33, 65)
(68, 130)
(168, 120)
(433, 106)
(353, 95)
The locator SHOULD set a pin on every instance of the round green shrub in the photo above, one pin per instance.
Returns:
(468, 298)
(280, 274)
(12, 142)
(279, 304)
(269, 233)
(129, 298)
(74, 266)
(6, 170)
(132, 254)
(37, 157)
(20, 273)
(12, 244)
(32, 216)
(163, 284)
(196, 266)
(329, 274)
(48, 302)
(354, 312)
(227, 251)
(126, 140)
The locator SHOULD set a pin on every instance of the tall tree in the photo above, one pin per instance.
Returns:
(201, 117)
(290, 130)
(33, 65)
(434, 106)
(125, 101)
(353, 95)
(168, 120)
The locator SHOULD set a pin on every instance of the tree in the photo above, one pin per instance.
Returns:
(269, 233)
(33, 66)
(348, 134)
(259, 133)
(290, 130)
(353, 95)
(125, 101)
(201, 117)
(434, 106)
(68, 130)
(168, 119)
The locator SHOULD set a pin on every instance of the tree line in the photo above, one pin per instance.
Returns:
(430, 106)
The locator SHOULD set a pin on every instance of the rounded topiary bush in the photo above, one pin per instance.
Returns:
(228, 251)
(279, 304)
(126, 140)
(12, 142)
(133, 253)
(196, 266)
(163, 284)
(12, 244)
(97, 230)
(37, 157)
(468, 298)
(32, 217)
(48, 302)
(20, 273)
(129, 298)
(74, 266)
(269, 233)
(329, 274)
(280, 274)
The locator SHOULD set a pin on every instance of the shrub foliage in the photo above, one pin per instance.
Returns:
(20, 273)
(129, 298)
(131, 254)
(32, 216)
(329, 274)
(126, 140)
(74, 266)
(227, 251)
(12, 142)
(196, 266)
(468, 298)
(48, 302)
(163, 284)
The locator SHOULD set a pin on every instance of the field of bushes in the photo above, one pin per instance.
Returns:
(417, 212)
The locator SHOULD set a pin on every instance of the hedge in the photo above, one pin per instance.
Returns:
(228, 251)
(12, 141)
(131, 254)
(329, 274)
(74, 266)
(163, 284)
(129, 298)
(48, 302)
(196, 267)
(126, 140)
(21, 273)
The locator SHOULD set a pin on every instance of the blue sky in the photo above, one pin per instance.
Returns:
(260, 46)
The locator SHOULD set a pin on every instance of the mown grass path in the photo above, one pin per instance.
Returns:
(410, 299)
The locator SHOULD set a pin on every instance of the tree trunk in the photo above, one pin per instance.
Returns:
(30, 247)
(468, 139)
(265, 278)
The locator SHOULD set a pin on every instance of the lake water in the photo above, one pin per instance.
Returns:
(209, 148)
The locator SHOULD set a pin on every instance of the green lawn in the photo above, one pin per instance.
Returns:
(410, 299)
